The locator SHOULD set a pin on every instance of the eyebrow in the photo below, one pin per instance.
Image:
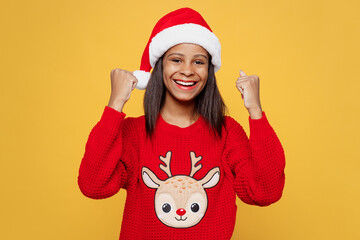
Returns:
(196, 55)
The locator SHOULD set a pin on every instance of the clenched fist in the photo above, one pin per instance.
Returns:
(249, 88)
(122, 84)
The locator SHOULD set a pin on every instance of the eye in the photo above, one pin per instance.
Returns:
(199, 62)
(195, 207)
(176, 60)
(166, 207)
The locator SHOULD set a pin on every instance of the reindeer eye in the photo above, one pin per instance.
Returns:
(166, 207)
(195, 207)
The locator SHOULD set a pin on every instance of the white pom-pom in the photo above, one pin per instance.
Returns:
(143, 79)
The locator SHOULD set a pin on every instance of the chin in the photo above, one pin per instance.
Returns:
(184, 99)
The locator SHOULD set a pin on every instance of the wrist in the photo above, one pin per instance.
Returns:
(118, 105)
(255, 113)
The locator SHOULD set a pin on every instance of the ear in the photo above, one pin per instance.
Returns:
(211, 179)
(150, 178)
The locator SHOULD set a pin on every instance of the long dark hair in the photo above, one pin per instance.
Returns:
(209, 103)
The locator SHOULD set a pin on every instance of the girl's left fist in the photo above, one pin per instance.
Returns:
(249, 87)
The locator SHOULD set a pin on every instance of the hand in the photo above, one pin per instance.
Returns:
(249, 88)
(122, 84)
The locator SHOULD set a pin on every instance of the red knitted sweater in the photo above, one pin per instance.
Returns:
(183, 183)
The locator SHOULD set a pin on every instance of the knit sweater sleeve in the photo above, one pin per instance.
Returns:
(103, 169)
(257, 162)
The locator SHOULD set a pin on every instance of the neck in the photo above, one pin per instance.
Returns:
(178, 113)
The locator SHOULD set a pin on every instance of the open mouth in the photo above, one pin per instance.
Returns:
(185, 84)
(181, 219)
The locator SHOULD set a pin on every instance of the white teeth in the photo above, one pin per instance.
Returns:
(186, 83)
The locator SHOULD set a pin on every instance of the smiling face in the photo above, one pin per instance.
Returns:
(185, 71)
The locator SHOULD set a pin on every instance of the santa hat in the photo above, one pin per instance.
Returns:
(184, 25)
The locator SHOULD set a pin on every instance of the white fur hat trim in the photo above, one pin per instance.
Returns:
(185, 33)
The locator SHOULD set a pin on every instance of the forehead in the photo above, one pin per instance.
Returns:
(188, 49)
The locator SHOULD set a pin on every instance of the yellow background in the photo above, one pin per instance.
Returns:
(56, 58)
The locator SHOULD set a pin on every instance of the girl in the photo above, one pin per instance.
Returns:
(184, 162)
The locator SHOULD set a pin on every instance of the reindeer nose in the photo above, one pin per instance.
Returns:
(180, 211)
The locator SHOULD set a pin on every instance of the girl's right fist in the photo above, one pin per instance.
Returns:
(122, 84)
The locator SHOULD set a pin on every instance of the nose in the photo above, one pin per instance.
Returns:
(180, 212)
(187, 70)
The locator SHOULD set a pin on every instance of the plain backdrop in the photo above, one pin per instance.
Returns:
(55, 60)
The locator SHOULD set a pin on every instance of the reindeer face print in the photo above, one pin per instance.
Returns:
(180, 201)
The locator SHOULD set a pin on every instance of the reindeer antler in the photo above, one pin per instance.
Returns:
(194, 161)
(166, 160)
